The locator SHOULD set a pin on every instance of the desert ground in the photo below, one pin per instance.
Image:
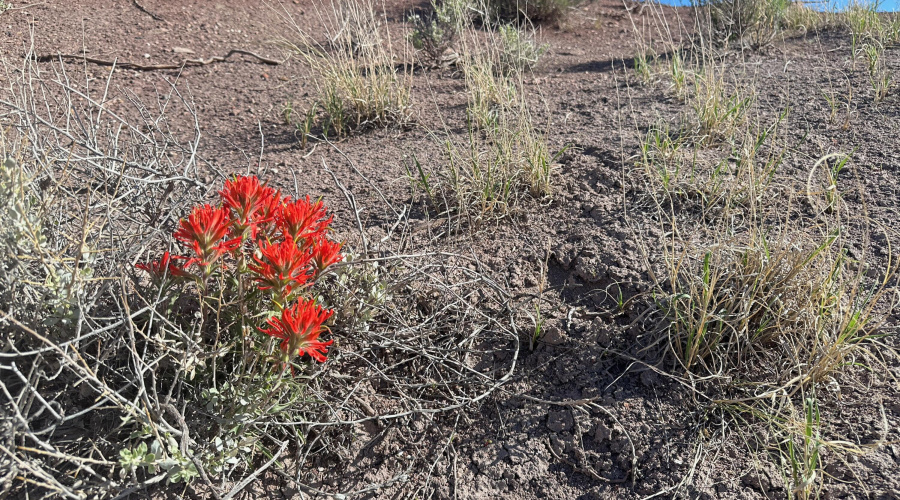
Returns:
(645, 254)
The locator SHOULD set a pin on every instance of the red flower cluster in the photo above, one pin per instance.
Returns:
(203, 232)
(253, 204)
(302, 220)
(165, 268)
(290, 250)
(282, 267)
(299, 328)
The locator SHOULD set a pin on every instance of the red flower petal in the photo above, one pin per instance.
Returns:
(252, 203)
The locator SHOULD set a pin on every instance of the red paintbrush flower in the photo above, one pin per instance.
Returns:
(282, 267)
(326, 253)
(303, 220)
(269, 208)
(299, 328)
(165, 268)
(203, 232)
(251, 202)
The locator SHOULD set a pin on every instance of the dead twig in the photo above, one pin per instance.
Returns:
(156, 67)
(351, 200)
(249, 479)
(145, 11)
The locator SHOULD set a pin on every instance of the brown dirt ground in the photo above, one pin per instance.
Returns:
(509, 447)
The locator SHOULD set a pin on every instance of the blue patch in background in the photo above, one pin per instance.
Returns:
(883, 6)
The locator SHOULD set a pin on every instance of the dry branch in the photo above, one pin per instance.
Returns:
(187, 63)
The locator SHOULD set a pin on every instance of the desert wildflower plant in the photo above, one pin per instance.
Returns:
(261, 252)
(248, 269)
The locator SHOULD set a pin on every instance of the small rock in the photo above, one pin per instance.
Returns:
(515, 453)
(565, 254)
(602, 433)
(757, 481)
(559, 421)
(553, 335)
(649, 378)
(182, 50)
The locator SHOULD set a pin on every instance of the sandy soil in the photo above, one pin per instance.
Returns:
(649, 437)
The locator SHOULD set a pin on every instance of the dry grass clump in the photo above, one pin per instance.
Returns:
(700, 76)
(865, 22)
(766, 310)
(485, 177)
(754, 298)
(720, 109)
(503, 156)
(357, 82)
(757, 22)
(546, 11)
(764, 304)
(760, 22)
(751, 297)
(490, 92)
(683, 169)
(494, 63)
(871, 33)
(518, 50)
